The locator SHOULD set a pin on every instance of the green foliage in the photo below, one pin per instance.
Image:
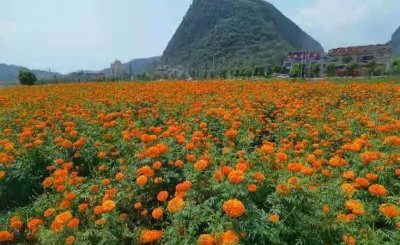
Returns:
(27, 77)
(396, 67)
(259, 71)
(314, 69)
(350, 69)
(296, 70)
(330, 70)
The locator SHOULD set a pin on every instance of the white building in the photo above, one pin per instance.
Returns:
(117, 69)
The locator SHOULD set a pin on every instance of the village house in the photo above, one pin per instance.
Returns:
(303, 57)
(361, 56)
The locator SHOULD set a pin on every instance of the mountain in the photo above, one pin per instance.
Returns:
(395, 43)
(9, 74)
(227, 33)
(141, 65)
(137, 66)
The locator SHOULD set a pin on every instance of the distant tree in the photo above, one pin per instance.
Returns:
(366, 71)
(268, 72)
(396, 67)
(236, 72)
(27, 78)
(370, 68)
(315, 69)
(246, 72)
(259, 71)
(378, 71)
(296, 70)
(330, 70)
(350, 69)
(278, 69)
(223, 73)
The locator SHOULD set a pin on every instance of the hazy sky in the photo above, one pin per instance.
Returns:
(66, 35)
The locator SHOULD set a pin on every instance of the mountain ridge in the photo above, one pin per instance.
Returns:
(234, 33)
(395, 43)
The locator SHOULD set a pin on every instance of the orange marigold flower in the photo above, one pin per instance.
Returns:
(362, 182)
(2, 174)
(281, 156)
(389, 210)
(49, 212)
(6, 236)
(106, 181)
(267, 148)
(230, 133)
(218, 175)
(175, 205)
(337, 161)
(150, 236)
(229, 237)
(157, 213)
(73, 223)
(355, 206)
(282, 189)
(82, 207)
(326, 208)
(234, 208)
(378, 190)
(137, 205)
(370, 156)
(152, 152)
(162, 196)
(273, 218)
(201, 165)
(141, 180)
(146, 171)
(98, 210)
(100, 222)
(60, 220)
(252, 188)
(16, 223)
(348, 189)
(157, 165)
(236, 176)
(102, 154)
(206, 239)
(259, 176)
(34, 225)
(349, 240)
(70, 240)
(371, 176)
(119, 176)
(294, 167)
(349, 174)
(108, 206)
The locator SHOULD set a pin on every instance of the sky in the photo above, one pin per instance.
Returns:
(69, 35)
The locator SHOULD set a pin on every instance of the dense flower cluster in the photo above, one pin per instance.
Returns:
(207, 163)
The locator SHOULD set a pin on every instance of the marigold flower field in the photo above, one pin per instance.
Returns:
(200, 163)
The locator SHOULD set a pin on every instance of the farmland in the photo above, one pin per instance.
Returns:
(218, 162)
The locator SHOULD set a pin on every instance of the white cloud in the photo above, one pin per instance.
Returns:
(349, 22)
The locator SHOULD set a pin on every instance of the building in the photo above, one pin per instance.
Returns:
(362, 56)
(117, 69)
(303, 57)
